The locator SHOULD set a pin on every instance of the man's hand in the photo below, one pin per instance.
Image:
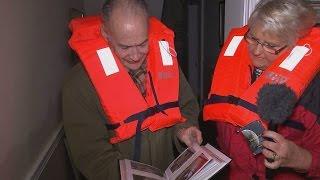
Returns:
(284, 153)
(189, 136)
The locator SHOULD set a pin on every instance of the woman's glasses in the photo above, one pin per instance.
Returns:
(267, 47)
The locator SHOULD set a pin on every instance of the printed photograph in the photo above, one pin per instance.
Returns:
(146, 168)
(194, 167)
(137, 177)
(181, 159)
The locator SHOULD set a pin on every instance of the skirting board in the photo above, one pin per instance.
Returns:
(46, 154)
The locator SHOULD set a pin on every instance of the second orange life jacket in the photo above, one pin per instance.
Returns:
(232, 97)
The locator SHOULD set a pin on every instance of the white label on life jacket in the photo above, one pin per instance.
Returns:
(165, 53)
(294, 57)
(107, 60)
(231, 49)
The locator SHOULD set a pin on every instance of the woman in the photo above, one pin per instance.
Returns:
(280, 45)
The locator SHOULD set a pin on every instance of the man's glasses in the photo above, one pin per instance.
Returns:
(267, 47)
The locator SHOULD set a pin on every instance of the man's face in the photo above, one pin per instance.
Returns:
(258, 52)
(128, 37)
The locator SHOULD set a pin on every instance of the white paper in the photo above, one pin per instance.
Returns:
(196, 162)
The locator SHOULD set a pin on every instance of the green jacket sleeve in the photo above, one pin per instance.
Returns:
(85, 131)
(189, 108)
(188, 103)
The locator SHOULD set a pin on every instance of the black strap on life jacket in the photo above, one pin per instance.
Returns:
(145, 114)
(294, 124)
(215, 99)
(141, 116)
(156, 109)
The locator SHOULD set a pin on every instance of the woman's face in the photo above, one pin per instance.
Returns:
(264, 48)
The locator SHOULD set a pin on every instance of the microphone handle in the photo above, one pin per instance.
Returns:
(270, 173)
(273, 126)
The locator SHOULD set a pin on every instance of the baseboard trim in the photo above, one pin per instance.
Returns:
(46, 154)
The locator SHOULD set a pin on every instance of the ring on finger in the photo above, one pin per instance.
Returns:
(274, 156)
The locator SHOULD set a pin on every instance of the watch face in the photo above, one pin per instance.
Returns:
(253, 133)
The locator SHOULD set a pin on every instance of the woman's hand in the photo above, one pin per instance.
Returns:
(284, 153)
(189, 136)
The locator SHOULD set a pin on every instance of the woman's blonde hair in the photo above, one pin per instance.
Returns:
(289, 20)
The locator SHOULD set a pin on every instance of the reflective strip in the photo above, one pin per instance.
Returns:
(107, 60)
(165, 53)
(294, 57)
(232, 47)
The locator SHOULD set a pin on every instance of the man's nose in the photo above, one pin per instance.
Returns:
(134, 53)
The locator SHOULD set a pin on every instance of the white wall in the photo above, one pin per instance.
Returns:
(34, 58)
(155, 7)
(93, 7)
(237, 13)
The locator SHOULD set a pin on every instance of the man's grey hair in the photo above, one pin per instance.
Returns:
(289, 20)
(132, 6)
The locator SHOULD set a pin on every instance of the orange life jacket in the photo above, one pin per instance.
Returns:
(122, 102)
(233, 98)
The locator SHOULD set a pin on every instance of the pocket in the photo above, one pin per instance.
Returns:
(224, 133)
(239, 150)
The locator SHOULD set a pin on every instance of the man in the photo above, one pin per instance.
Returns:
(128, 98)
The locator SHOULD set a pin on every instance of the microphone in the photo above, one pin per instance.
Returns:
(275, 104)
